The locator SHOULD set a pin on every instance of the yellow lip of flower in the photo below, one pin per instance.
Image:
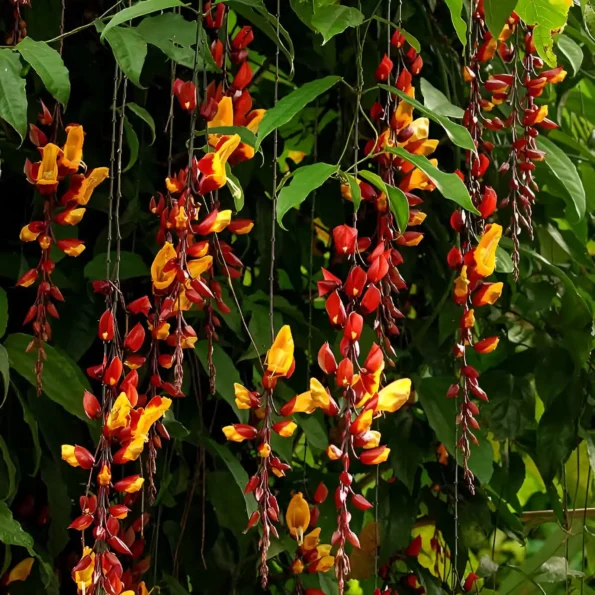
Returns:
(73, 149)
(311, 540)
(222, 220)
(394, 396)
(27, 235)
(242, 395)
(264, 450)
(48, 168)
(85, 576)
(421, 129)
(426, 148)
(198, 266)
(119, 416)
(163, 331)
(469, 319)
(67, 452)
(485, 253)
(162, 279)
(280, 356)
(104, 476)
(320, 398)
(373, 439)
(403, 115)
(135, 447)
(462, 283)
(75, 216)
(21, 571)
(154, 410)
(298, 517)
(223, 118)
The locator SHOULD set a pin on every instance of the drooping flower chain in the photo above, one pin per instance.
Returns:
(57, 165)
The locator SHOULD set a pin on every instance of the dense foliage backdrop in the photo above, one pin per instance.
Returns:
(517, 516)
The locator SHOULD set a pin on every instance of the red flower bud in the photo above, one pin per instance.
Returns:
(91, 405)
(321, 493)
(488, 203)
(135, 338)
(371, 300)
(113, 372)
(243, 77)
(326, 359)
(336, 310)
(360, 502)
(186, 94)
(454, 258)
(353, 328)
(414, 547)
(141, 304)
(243, 38)
(344, 373)
(384, 69)
(345, 239)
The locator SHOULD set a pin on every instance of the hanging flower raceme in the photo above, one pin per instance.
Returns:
(65, 195)
(279, 363)
(398, 129)
(130, 425)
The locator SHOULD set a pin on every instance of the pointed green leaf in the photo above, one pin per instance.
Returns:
(130, 51)
(31, 421)
(397, 201)
(572, 51)
(133, 144)
(437, 101)
(138, 10)
(332, 20)
(144, 115)
(305, 180)
(356, 193)
(291, 104)
(131, 265)
(449, 185)
(246, 135)
(237, 192)
(63, 381)
(565, 171)
(458, 134)
(48, 64)
(13, 98)
(456, 8)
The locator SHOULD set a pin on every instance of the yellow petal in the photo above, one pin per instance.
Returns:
(298, 517)
(485, 253)
(394, 396)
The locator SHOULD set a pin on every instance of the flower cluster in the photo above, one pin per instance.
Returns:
(191, 215)
(59, 166)
(519, 89)
(279, 363)
(399, 130)
(128, 422)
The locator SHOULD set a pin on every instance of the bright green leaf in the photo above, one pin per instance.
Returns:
(356, 193)
(503, 261)
(63, 381)
(437, 102)
(449, 185)
(305, 180)
(548, 15)
(133, 144)
(48, 64)
(456, 8)
(291, 104)
(458, 134)
(572, 51)
(497, 13)
(13, 98)
(237, 192)
(131, 265)
(138, 10)
(144, 115)
(130, 51)
(332, 20)
(246, 135)
(565, 171)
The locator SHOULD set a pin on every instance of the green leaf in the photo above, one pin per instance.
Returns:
(48, 64)
(356, 193)
(456, 8)
(13, 98)
(398, 203)
(572, 51)
(449, 185)
(138, 10)
(144, 115)
(497, 13)
(131, 266)
(588, 11)
(63, 381)
(246, 135)
(503, 261)
(332, 20)
(4, 372)
(458, 134)
(304, 181)
(3, 312)
(31, 421)
(565, 171)
(11, 488)
(291, 104)
(548, 15)
(441, 413)
(237, 192)
(437, 102)
(59, 503)
(411, 39)
(236, 469)
(227, 375)
(133, 144)
(130, 51)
